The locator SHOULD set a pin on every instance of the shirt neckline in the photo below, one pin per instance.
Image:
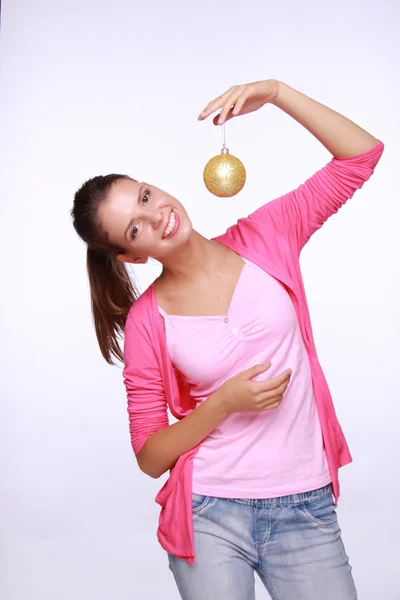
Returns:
(208, 317)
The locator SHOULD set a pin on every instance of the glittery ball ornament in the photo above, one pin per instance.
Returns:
(224, 175)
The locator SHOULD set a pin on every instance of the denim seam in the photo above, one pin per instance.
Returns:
(205, 503)
(314, 519)
(178, 583)
(268, 585)
(302, 498)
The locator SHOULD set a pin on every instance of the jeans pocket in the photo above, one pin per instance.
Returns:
(321, 511)
(199, 502)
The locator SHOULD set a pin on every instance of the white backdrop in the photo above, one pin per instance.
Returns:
(96, 87)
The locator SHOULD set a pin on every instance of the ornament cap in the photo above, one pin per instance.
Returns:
(224, 150)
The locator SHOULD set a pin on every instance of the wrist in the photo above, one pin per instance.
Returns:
(218, 404)
(278, 90)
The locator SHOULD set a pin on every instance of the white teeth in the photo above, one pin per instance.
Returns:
(171, 225)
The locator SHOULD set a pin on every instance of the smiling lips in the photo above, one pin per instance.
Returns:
(171, 225)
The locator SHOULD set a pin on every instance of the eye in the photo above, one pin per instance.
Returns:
(134, 231)
(146, 197)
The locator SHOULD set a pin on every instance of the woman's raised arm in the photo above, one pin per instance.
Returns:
(340, 136)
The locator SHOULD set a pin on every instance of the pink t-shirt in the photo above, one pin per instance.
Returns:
(252, 455)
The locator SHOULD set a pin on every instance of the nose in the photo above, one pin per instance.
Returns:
(157, 218)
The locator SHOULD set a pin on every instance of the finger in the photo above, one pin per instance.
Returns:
(272, 406)
(228, 116)
(239, 103)
(256, 370)
(271, 384)
(271, 403)
(211, 107)
(228, 105)
(214, 105)
(267, 405)
(280, 390)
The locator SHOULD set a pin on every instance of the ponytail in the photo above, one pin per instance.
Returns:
(112, 294)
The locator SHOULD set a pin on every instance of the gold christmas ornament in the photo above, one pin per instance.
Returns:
(224, 175)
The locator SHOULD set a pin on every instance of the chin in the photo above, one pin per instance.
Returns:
(178, 242)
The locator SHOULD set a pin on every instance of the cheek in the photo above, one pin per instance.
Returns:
(186, 226)
(146, 241)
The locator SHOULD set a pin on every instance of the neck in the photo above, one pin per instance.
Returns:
(200, 257)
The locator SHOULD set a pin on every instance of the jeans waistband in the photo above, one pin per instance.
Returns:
(290, 500)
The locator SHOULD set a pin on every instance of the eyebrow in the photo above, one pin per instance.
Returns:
(132, 220)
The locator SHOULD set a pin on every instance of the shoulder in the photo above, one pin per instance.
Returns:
(140, 319)
(252, 231)
(141, 306)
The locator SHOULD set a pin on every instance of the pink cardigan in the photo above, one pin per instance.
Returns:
(272, 237)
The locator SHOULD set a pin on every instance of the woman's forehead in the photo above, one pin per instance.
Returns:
(119, 207)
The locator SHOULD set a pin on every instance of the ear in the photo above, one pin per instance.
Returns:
(135, 260)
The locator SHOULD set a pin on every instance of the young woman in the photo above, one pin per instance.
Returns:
(223, 339)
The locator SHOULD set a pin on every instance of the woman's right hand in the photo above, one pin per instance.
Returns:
(242, 394)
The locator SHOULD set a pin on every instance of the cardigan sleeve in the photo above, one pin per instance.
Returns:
(301, 212)
(147, 405)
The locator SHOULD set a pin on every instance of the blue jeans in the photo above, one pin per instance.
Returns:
(293, 543)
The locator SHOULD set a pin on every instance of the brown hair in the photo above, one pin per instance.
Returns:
(111, 289)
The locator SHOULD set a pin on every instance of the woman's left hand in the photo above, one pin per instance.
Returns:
(240, 100)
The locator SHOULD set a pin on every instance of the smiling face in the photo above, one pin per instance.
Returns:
(144, 220)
